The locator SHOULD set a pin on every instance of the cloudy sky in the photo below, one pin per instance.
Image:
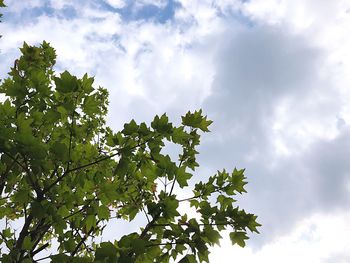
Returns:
(272, 74)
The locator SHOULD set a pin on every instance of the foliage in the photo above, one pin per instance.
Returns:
(1, 5)
(65, 175)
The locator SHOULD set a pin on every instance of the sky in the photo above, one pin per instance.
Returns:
(273, 75)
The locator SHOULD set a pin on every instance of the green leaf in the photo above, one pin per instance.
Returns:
(38, 210)
(91, 105)
(63, 211)
(87, 83)
(60, 150)
(66, 83)
(90, 222)
(162, 124)
(237, 180)
(27, 243)
(194, 203)
(60, 258)
(103, 212)
(130, 128)
(170, 207)
(22, 196)
(225, 201)
(62, 110)
(188, 259)
(6, 233)
(212, 235)
(238, 238)
(252, 225)
(138, 246)
(153, 208)
(180, 136)
(182, 176)
(193, 225)
(144, 130)
(69, 245)
(126, 259)
(106, 251)
(205, 209)
(7, 109)
(52, 116)
(196, 120)
(24, 123)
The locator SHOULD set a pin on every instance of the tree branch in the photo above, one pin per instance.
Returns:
(83, 240)
(186, 224)
(92, 163)
(189, 198)
(4, 239)
(170, 243)
(34, 184)
(15, 160)
(181, 161)
(23, 233)
(4, 175)
(150, 225)
(79, 211)
(32, 254)
(44, 258)
(76, 169)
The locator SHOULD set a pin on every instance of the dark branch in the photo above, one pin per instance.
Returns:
(23, 233)
(4, 175)
(92, 163)
(150, 225)
(5, 240)
(82, 241)
(15, 160)
(190, 198)
(79, 211)
(201, 224)
(39, 249)
(171, 243)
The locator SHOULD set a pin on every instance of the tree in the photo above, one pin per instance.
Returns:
(64, 175)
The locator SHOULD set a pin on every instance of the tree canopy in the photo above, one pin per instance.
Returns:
(64, 175)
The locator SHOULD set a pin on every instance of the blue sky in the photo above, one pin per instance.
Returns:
(273, 75)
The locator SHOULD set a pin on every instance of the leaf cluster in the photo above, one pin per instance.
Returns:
(66, 174)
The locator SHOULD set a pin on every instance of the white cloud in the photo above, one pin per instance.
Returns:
(116, 3)
(158, 3)
(18, 6)
(320, 238)
(147, 67)
(60, 4)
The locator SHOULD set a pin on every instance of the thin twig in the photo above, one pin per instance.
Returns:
(181, 161)
(40, 249)
(200, 224)
(189, 198)
(92, 163)
(79, 211)
(43, 258)
(83, 240)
